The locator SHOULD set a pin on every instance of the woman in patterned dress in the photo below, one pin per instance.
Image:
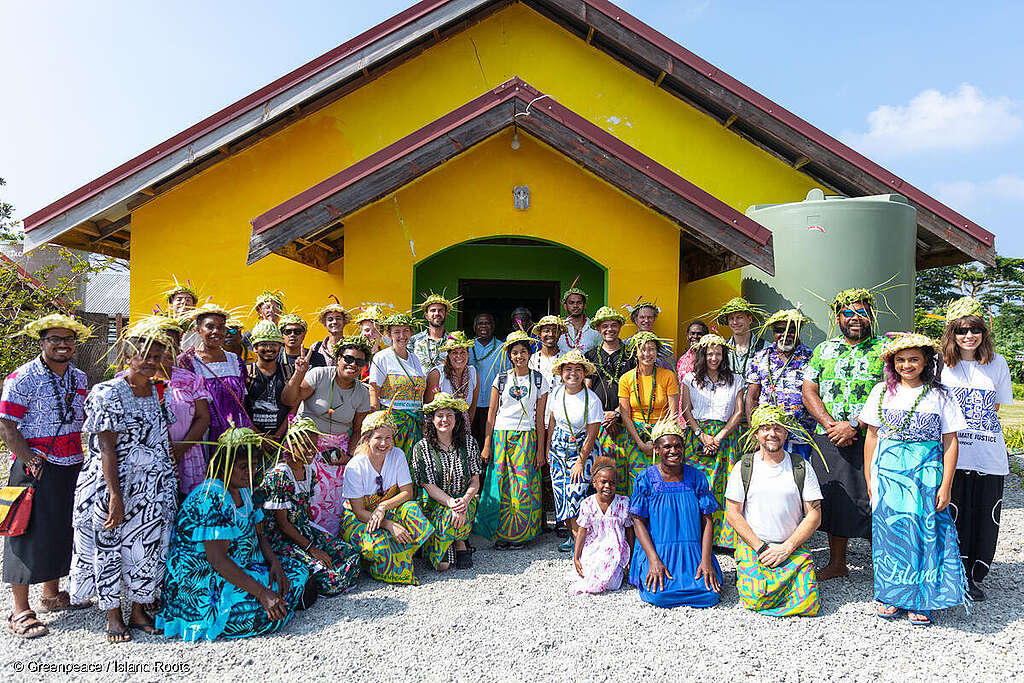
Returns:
(711, 403)
(287, 492)
(397, 383)
(223, 578)
(446, 468)
(383, 519)
(127, 496)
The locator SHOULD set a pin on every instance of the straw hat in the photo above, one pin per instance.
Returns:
(573, 357)
(376, 420)
(667, 425)
(607, 313)
(548, 320)
(335, 307)
(713, 339)
(640, 338)
(908, 340)
(768, 415)
(442, 401)
(457, 340)
(372, 313)
(178, 288)
(963, 307)
(358, 341)
(265, 331)
(291, 319)
(434, 298)
(208, 309)
(56, 321)
(736, 305)
(399, 320)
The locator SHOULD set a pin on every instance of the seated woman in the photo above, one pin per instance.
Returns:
(383, 519)
(672, 506)
(223, 578)
(773, 501)
(287, 492)
(446, 466)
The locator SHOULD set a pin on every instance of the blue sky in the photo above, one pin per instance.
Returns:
(933, 91)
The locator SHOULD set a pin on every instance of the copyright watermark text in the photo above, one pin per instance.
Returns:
(113, 666)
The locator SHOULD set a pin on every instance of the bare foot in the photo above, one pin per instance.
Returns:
(831, 571)
(443, 566)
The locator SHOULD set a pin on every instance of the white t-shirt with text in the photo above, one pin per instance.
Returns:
(979, 389)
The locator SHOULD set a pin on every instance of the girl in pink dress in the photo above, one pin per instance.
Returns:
(605, 534)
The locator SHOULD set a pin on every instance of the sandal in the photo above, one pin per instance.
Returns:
(886, 611)
(920, 618)
(115, 635)
(26, 625)
(502, 545)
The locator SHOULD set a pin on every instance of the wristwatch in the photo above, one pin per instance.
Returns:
(764, 546)
(855, 423)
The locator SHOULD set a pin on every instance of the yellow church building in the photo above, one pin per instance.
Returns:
(495, 149)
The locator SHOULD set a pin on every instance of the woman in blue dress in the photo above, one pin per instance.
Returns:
(673, 564)
(223, 578)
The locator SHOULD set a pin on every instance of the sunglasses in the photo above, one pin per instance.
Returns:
(783, 329)
(231, 332)
(961, 331)
(380, 485)
(292, 330)
(849, 313)
(352, 360)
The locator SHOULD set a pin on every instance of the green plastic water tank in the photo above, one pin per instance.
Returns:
(827, 244)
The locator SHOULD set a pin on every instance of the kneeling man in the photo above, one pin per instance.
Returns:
(773, 501)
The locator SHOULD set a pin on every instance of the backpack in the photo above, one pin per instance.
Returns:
(799, 472)
(538, 379)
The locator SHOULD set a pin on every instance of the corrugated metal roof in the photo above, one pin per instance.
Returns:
(108, 292)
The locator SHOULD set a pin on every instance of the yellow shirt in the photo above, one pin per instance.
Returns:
(666, 385)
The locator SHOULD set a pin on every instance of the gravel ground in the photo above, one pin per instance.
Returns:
(511, 618)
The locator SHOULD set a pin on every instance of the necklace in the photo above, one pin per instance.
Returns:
(66, 406)
(772, 385)
(910, 413)
(586, 411)
(612, 377)
(494, 345)
(463, 388)
(574, 343)
(650, 404)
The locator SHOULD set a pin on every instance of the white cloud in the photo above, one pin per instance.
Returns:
(967, 193)
(962, 120)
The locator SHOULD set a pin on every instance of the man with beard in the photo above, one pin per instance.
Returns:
(265, 381)
(42, 409)
(839, 378)
(578, 333)
(427, 343)
(775, 375)
(548, 329)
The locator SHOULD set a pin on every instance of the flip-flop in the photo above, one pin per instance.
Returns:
(926, 621)
(502, 545)
(117, 636)
(886, 614)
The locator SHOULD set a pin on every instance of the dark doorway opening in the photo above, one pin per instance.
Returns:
(500, 297)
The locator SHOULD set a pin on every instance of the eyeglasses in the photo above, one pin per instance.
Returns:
(292, 330)
(352, 360)
(849, 313)
(961, 331)
(782, 329)
(55, 340)
(232, 332)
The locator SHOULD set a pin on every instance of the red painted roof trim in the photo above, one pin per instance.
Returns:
(514, 88)
(608, 9)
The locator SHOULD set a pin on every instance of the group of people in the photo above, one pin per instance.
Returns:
(235, 476)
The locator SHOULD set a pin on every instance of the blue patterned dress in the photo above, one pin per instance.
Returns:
(914, 547)
(672, 513)
(199, 603)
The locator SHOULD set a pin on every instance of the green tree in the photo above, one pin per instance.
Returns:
(8, 227)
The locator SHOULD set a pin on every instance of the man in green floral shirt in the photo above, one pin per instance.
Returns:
(837, 381)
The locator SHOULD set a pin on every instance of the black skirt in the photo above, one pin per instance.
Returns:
(43, 552)
(846, 508)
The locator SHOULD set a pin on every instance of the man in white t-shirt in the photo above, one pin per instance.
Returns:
(773, 502)
(549, 330)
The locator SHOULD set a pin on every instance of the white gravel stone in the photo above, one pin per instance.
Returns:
(511, 618)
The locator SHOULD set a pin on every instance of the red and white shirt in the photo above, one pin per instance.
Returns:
(49, 410)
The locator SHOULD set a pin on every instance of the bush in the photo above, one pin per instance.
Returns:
(1014, 439)
(1018, 391)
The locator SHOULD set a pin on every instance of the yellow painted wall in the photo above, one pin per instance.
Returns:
(200, 229)
(470, 197)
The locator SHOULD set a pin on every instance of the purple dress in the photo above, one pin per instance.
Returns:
(185, 388)
(225, 383)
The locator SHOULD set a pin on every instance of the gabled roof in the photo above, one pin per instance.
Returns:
(309, 221)
(97, 215)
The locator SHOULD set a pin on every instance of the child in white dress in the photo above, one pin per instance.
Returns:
(605, 534)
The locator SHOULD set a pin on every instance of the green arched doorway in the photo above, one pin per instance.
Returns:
(497, 274)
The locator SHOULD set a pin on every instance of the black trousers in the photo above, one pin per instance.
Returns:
(846, 508)
(976, 505)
